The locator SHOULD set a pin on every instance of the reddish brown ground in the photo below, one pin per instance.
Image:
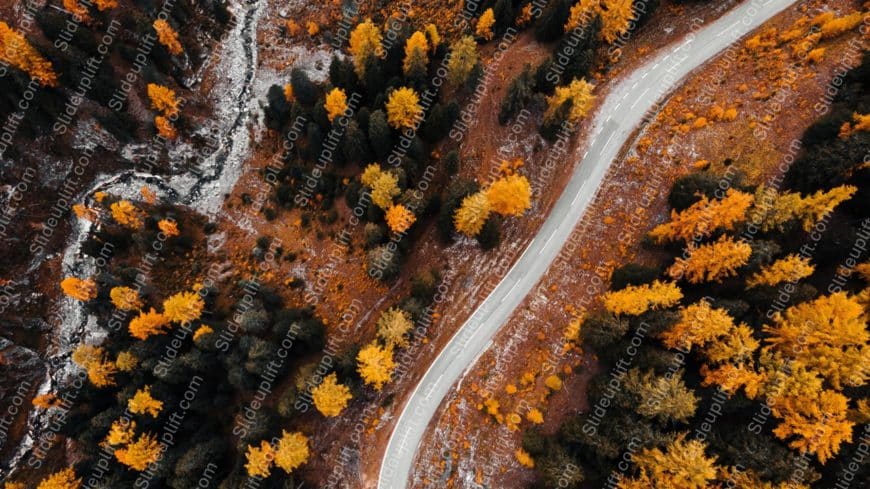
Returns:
(631, 201)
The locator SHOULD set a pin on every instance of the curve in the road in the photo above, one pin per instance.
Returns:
(623, 110)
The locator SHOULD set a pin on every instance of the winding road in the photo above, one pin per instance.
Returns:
(624, 109)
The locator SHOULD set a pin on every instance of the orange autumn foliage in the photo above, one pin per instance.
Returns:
(711, 262)
(148, 324)
(17, 52)
(375, 364)
(399, 218)
(510, 195)
(789, 269)
(125, 298)
(292, 450)
(83, 290)
(260, 460)
(139, 454)
(183, 307)
(168, 227)
(165, 128)
(163, 99)
(64, 479)
(330, 397)
(127, 214)
(142, 403)
(167, 36)
(637, 299)
(704, 217)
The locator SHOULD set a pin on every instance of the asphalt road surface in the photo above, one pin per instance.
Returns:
(622, 111)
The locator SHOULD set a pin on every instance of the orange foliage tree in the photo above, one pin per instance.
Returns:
(142, 403)
(83, 290)
(462, 60)
(510, 195)
(148, 324)
(711, 262)
(399, 218)
(704, 217)
(125, 299)
(364, 43)
(828, 334)
(330, 397)
(789, 269)
(416, 55)
(683, 464)
(578, 93)
(375, 364)
(335, 103)
(403, 108)
(292, 450)
(127, 214)
(260, 459)
(100, 370)
(167, 36)
(64, 479)
(140, 454)
(183, 307)
(472, 214)
(635, 300)
(17, 52)
(698, 325)
(485, 24)
(163, 99)
(394, 326)
(168, 227)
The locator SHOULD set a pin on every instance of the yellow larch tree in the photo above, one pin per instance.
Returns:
(330, 397)
(202, 331)
(789, 206)
(126, 361)
(582, 12)
(578, 93)
(737, 345)
(485, 24)
(818, 425)
(384, 188)
(510, 195)
(84, 212)
(163, 99)
(433, 37)
(147, 324)
(139, 454)
(704, 217)
(365, 42)
(121, 433)
(165, 128)
(664, 397)
(125, 298)
(46, 401)
(616, 19)
(462, 60)
(335, 103)
(168, 227)
(260, 459)
(403, 108)
(375, 364)
(292, 451)
(394, 326)
(78, 10)
(699, 324)
(142, 402)
(834, 27)
(416, 55)
(79, 289)
(399, 218)
(635, 300)
(126, 214)
(167, 36)
(711, 262)
(828, 334)
(103, 5)
(64, 479)
(789, 269)
(183, 307)
(93, 359)
(472, 214)
(524, 458)
(682, 465)
(17, 52)
(731, 378)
